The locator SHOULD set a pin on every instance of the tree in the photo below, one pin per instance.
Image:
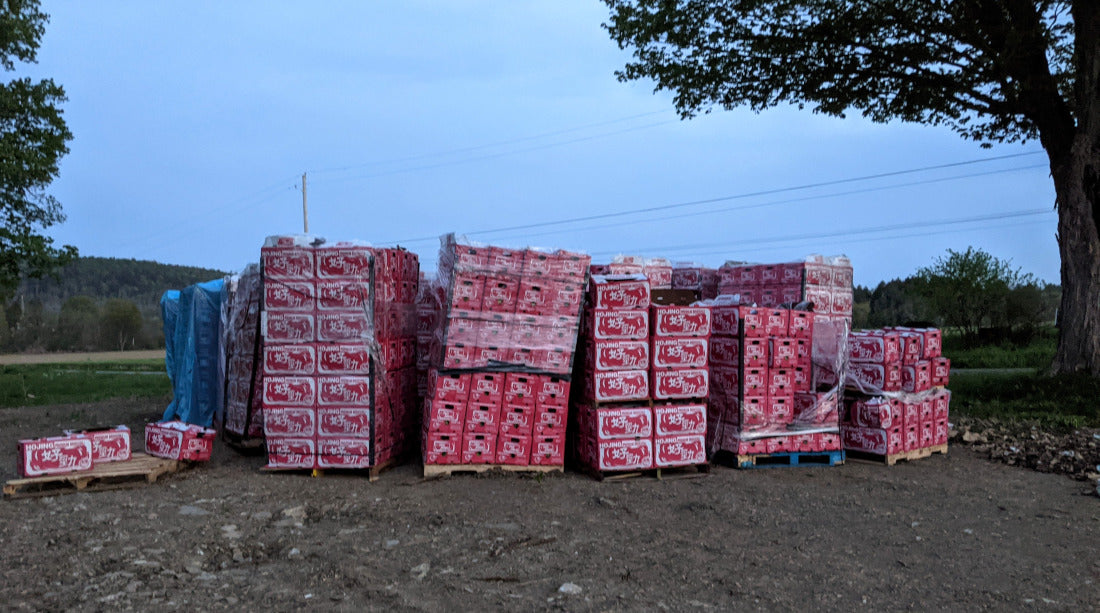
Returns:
(972, 289)
(992, 70)
(121, 323)
(33, 138)
(77, 325)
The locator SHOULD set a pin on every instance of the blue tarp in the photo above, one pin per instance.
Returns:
(192, 322)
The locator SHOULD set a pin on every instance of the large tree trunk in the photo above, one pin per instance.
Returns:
(1076, 172)
(1079, 245)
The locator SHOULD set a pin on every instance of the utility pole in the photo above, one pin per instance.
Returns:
(305, 209)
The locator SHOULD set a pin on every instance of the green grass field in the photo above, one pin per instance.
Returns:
(45, 384)
(1064, 402)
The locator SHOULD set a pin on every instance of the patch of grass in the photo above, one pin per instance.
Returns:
(1064, 402)
(44, 384)
(1036, 355)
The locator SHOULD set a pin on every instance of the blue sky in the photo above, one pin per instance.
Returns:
(194, 121)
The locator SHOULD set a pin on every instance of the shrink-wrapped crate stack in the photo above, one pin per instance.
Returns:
(898, 398)
(764, 399)
(242, 420)
(501, 355)
(339, 349)
(824, 281)
(641, 404)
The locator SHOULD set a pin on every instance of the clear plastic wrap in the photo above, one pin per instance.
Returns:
(898, 401)
(339, 328)
(505, 309)
(824, 281)
(243, 416)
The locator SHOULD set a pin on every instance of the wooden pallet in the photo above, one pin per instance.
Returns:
(672, 473)
(372, 473)
(138, 470)
(905, 456)
(790, 459)
(432, 471)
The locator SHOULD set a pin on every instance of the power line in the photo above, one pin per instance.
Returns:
(487, 145)
(497, 155)
(838, 233)
(781, 202)
(727, 198)
(887, 237)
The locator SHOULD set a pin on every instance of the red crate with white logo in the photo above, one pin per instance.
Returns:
(679, 420)
(683, 450)
(343, 261)
(725, 319)
(176, 440)
(300, 359)
(344, 422)
(800, 325)
(776, 322)
(754, 352)
(478, 448)
(624, 454)
(680, 320)
(874, 347)
(548, 450)
(339, 390)
(619, 293)
(287, 263)
(618, 385)
(439, 448)
(619, 355)
(753, 322)
(916, 378)
(725, 352)
(343, 359)
(291, 452)
(623, 422)
(941, 371)
(552, 391)
(288, 327)
(878, 441)
(682, 383)
(290, 421)
(513, 449)
(342, 452)
(517, 419)
(876, 377)
(290, 296)
(449, 387)
(109, 444)
(54, 455)
(618, 324)
(444, 417)
(681, 352)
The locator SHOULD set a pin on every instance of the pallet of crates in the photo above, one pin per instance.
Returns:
(897, 403)
(766, 409)
(501, 356)
(624, 426)
(339, 345)
(241, 419)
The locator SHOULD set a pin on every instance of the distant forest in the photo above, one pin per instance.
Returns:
(94, 304)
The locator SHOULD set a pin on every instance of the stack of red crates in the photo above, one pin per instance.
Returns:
(697, 278)
(242, 420)
(764, 400)
(827, 282)
(637, 353)
(501, 355)
(899, 402)
(339, 326)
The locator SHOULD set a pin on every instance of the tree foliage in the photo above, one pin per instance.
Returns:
(973, 289)
(77, 326)
(33, 137)
(121, 323)
(992, 70)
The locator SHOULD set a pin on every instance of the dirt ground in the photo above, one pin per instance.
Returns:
(949, 532)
